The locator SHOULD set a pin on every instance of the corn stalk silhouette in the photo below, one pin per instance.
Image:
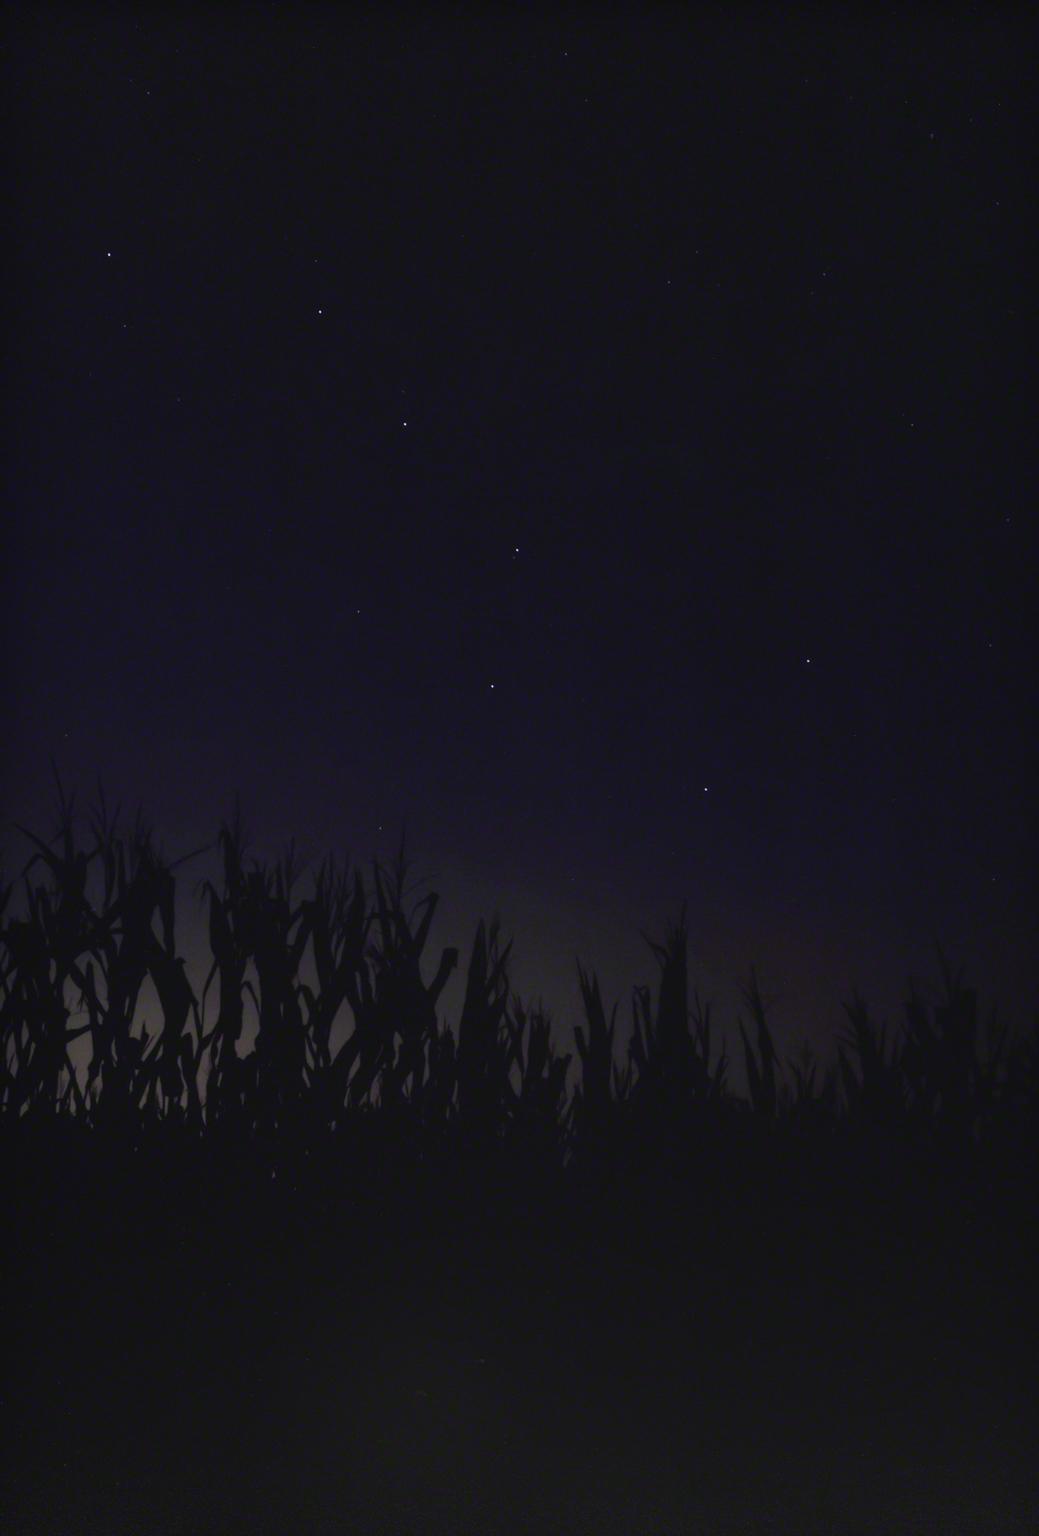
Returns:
(537, 1104)
(350, 1038)
(670, 1055)
(761, 1059)
(398, 1051)
(593, 1114)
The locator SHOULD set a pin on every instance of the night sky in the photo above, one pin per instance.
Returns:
(602, 442)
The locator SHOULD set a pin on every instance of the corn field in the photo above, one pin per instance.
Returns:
(294, 1250)
(319, 1023)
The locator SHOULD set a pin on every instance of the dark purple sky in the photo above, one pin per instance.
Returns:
(603, 442)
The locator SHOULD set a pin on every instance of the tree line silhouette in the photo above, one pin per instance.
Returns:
(349, 1043)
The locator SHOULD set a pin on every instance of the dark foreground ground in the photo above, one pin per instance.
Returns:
(194, 1349)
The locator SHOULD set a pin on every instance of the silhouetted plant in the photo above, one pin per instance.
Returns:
(592, 1110)
(538, 1104)
(672, 1084)
(484, 1048)
(339, 922)
(760, 1063)
(804, 1099)
(225, 1085)
(871, 1072)
(349, 1043)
